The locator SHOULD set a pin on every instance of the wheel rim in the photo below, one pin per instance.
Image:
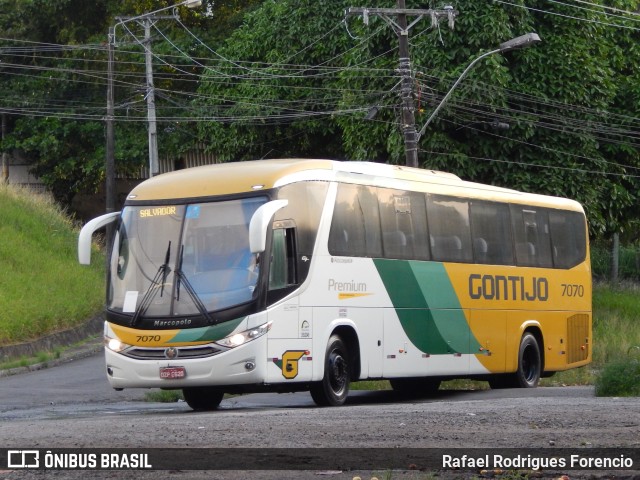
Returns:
(338, 373)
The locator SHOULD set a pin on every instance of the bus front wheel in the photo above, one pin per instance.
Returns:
(202, 398)
(334, 387)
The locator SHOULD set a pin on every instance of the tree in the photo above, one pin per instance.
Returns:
(45, 81)
(53, 84)
(294, 81)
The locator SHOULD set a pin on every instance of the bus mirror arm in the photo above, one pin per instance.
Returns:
(84, 239)
(260, 223)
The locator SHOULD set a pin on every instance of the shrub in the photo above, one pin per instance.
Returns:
(619, 379)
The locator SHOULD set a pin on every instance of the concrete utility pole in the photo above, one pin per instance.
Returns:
(110, 161)
(154, 167)
(147, 20)
(110, 198)
(401, 26)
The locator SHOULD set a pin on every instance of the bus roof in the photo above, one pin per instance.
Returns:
(251, 176)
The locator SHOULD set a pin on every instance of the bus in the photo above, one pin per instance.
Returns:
(306, 275)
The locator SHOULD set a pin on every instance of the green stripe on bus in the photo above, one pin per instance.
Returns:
(209, 334)
(427, 306)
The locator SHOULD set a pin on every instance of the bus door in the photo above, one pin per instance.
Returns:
(289, 344)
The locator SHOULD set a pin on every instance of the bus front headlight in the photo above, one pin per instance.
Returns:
(114, 344)
(241, 338)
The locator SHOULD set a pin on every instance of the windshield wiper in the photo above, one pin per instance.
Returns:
(162, 273)
(182, 279)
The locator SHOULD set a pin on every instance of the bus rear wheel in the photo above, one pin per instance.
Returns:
(202, 398)
(334, 387)
(529, 362)
(529, 367)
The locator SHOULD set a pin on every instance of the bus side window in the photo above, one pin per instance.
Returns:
(568, 238)
(282, 272)
(491, 233)
(449, 227)
(531, 235)
(355, 228)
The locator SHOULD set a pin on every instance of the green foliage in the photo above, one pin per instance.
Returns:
(628, 262)
(615, 328)
(42, 287)
(53, 84)
(36, 81)
(257, 94)
(297, 77)
(619, 379)
(268, 104)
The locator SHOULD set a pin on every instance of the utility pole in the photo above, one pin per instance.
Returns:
(401, 26)
(110, 162)
(147, 21)
(406, 90)
(154, 168)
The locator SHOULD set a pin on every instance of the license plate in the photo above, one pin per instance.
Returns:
(172, 373)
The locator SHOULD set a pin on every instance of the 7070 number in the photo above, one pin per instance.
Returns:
(572, 290)
(148, 338)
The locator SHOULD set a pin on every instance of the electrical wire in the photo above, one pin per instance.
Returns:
(617, 25)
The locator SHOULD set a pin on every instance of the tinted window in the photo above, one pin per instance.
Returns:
(450, 234)
(355, 229)
(491, 233)
(306, 200)
(282, 272)
(403, 217)
(568, 238)
(531, 235)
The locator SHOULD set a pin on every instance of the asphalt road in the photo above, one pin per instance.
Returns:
(72, 406)
(81, 387)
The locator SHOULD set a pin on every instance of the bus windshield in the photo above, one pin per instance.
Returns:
(170, 260)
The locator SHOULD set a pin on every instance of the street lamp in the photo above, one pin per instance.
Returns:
(522, 41)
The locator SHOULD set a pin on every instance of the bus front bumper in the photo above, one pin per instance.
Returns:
(245, 364)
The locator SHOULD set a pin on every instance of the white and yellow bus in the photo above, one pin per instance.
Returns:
(289, 275)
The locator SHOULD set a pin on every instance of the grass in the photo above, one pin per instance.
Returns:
(163, 396)
(41, 357)
(619, 379)
(43, 289)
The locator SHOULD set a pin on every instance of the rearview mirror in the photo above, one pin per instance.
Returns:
(84, 240)
(260, 223)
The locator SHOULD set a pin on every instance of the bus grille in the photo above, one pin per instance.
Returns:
(578, 338)
(200, 351)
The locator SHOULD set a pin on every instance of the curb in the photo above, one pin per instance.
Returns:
(88, 336)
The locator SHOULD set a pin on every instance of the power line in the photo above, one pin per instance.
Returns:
(536, 165)
(608, 24)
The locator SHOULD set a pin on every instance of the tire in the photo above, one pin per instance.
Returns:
(202, 399)
(529, 363)
(415, 387)
(334, 387)
(529, 367)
